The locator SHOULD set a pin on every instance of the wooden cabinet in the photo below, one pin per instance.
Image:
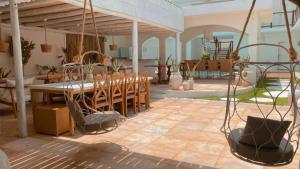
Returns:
(51, 119)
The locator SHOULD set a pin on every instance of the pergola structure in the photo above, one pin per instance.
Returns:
(66, 15)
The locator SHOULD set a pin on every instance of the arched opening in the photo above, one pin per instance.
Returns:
(200, 43)
(171, 48)
(150, 48)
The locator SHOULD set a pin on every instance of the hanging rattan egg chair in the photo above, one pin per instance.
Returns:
(87, 119)
(259, 133)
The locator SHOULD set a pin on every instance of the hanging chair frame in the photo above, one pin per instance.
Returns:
(232, 103)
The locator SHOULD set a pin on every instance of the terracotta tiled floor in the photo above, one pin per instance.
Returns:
(174, 133)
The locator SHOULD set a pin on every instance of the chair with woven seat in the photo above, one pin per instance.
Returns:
(130, 91)
(101, 97)
(143, 93)
(116, 93)
(93, 122)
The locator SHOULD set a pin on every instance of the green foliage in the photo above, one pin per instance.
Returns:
(175, 66)
(27, 47)
(192, 72)
(116, 65)
(4, 73)
(256, 92)
(90, 67)
(206, 56)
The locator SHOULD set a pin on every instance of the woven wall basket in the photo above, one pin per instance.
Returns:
(46, 48)
(4, 47)
(113, 47)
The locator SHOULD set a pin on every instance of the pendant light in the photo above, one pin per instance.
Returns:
(46, 47)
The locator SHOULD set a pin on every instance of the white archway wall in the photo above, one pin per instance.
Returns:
(171, 48)
(194, 45)
(150, 48)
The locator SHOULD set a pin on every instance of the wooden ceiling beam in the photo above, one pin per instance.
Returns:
(42, 11)
(34, 4)
(64, 20)
(58, 15)
(100, 23)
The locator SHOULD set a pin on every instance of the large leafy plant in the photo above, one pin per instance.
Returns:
(27, 47)
(4, 73)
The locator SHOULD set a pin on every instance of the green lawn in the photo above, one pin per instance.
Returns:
(258, 92)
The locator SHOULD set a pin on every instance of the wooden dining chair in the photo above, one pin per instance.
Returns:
(101, 96)
(143, 92)
(117, 91)
(130, 91)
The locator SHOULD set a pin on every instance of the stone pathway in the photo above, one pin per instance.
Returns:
(262, 100)
(279, 94)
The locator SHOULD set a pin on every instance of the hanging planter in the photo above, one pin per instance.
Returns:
(46, 48)
(113, 46)
(4, 46)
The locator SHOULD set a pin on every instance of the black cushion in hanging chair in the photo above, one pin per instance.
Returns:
(264, 132)
(270, 156)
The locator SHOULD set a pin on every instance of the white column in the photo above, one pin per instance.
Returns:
(178, 48)
(14, 17)
(135, 47)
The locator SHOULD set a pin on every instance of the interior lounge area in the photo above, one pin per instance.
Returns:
(149, 84)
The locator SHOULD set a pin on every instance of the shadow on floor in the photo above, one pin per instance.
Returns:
(67, 154)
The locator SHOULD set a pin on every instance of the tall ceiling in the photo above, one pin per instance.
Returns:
(64, 16)
(195, 2)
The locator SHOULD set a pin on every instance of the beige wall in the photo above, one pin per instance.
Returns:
(55, 38)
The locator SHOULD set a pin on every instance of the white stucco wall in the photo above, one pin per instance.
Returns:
(271, 53)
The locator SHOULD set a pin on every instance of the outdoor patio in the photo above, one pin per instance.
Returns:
(174, 133)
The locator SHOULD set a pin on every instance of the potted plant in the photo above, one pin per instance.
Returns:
(191, 74)
(42, 69)
(4, 73)
(205, 56)
(89, 74)
(116, 66)
(175, 78)
(27, 47)
(246, 72)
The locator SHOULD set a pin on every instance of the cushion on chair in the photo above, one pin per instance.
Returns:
(95, 121)
(282, 154)
(264, 132)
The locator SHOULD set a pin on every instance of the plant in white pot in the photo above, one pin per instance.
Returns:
(191, 74)
(175, 78)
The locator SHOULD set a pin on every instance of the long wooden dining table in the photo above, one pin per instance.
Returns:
(72, 88)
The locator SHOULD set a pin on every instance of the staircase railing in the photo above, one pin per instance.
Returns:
(219, 46)
(295, 15)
